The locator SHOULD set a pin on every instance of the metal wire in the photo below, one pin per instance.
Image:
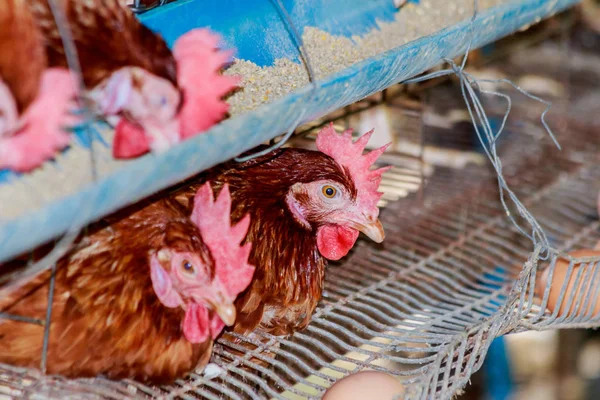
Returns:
(139, 8)
(20, 318)
(469, 85)
(72, 57)
(48, 321)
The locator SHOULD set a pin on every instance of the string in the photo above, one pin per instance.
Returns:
(469, 88)
(297, 39)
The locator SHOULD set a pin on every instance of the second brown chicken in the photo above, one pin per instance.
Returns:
(142, 298)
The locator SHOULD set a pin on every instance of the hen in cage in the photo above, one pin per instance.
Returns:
(141, 298)
(133, 76)
(484, 236)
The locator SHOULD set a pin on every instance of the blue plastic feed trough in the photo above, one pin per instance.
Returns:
(257, 31)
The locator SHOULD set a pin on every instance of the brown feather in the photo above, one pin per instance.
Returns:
(22, 56)
(106, 317)
(108, 37)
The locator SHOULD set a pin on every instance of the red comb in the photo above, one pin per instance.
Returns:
(224, 240)
(198, 64)
(43, 134)
(350, 155)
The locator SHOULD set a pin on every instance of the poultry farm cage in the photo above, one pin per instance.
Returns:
(466, 240)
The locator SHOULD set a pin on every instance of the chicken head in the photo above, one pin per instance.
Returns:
(183, 279)
(336, 211)
(205, 287)
(199, 61)
(145, 99)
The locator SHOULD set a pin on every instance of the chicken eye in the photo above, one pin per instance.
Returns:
(329, 191)
(188, 267)
(159, 101)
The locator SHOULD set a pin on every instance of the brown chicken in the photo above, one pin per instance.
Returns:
(128, 69)
(33, 99)
(305, 207)
(155, 97)
(143, 298)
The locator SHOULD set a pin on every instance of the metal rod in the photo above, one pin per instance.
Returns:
(138, 8)
(72, 56)
(21, 318)
(48, 319)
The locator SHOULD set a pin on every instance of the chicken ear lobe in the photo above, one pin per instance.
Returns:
(162, 285)
(117, 92)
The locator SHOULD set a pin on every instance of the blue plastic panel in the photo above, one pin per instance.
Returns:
(255, 29)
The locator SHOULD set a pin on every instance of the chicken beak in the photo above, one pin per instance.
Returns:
(373, 229)
(226, 312)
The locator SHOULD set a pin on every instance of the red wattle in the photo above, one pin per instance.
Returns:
(334, 241)
(196, 324)
(129, 141)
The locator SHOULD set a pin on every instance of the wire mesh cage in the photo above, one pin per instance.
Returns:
(453, 274)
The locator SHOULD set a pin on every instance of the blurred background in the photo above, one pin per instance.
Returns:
(564, 364)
